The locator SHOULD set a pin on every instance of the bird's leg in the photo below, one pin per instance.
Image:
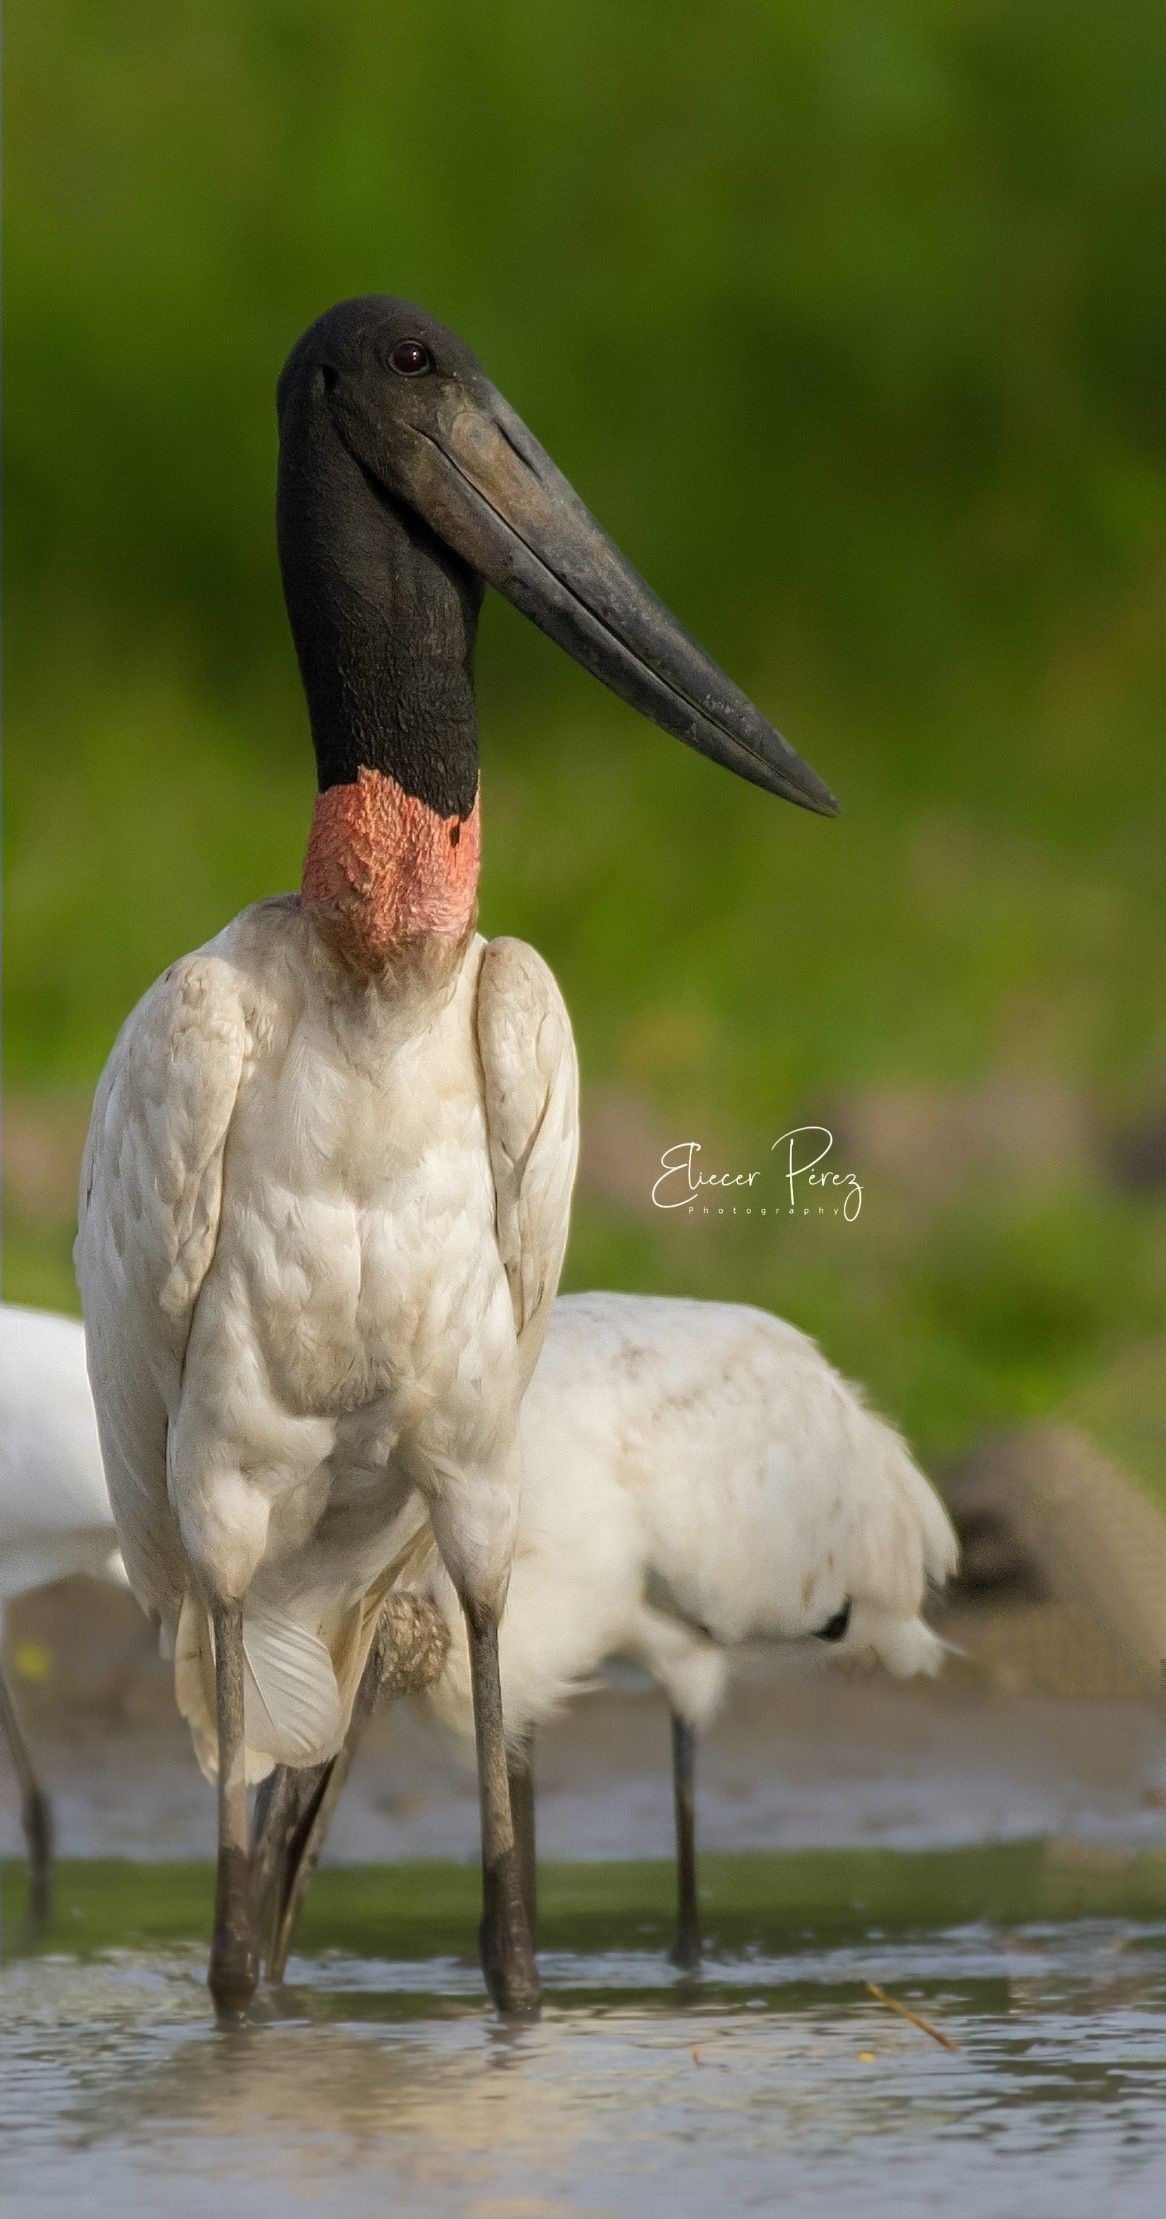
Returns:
(292, 1824)
(520, 1779)
(294, 1807)
(520, 1782)
(686, 1948)
(232, 1973)
(292, 1813)
(276, 1814)
(507, 1955)
(35, 1814)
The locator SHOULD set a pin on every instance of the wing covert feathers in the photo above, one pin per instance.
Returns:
(531, 1087)
(151, 1193)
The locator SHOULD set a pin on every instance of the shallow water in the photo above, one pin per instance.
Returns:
(373, 2085)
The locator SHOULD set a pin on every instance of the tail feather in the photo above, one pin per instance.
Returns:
(906, 1647)
(292, 1707)
(294, 1710)
(907, 1541)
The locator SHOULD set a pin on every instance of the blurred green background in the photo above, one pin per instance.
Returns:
(850, 323)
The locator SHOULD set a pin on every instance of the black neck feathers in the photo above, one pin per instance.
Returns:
(384, 619)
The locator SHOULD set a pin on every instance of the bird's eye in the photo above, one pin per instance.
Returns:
(410, 359)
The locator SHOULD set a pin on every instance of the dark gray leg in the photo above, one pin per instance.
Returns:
(35, 1814)
(232, 1973)
(507, 1956)
(277, 1814)
(292, 1820)
(294, 1809)
(520, 1776)
(686, 1948)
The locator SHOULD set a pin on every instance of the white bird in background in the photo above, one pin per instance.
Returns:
(55, 1518)
(325, 1195)
(696, 1475)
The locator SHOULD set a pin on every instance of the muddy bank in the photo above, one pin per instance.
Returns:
(988, 1754)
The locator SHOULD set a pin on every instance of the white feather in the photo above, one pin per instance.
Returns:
(697, 1475)
(55, 1517)
(292, 1704)
(321, 1225)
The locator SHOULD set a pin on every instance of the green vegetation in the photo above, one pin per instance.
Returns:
(775, 1901)
(850, 325)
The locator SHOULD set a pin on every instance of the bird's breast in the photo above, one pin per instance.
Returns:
(358, 1222)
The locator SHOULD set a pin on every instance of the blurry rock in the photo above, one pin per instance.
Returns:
(1045, 1516)
(981, 1492)
(1025, 1648)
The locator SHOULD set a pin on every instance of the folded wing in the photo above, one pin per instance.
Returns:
(151, 1194)
(531, 1085)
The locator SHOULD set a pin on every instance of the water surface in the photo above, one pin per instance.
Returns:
(376, 2081)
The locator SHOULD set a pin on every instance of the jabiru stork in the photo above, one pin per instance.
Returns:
(325, 1194)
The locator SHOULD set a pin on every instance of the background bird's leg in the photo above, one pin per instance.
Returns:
(294, 1808)
(35, 1814)
(520, 1777)
(277, 1813)
(686, 1948)
(286, 1840)
(507, 1956)
(232, 1974)
(292, 1822)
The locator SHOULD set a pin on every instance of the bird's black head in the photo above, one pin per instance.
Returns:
(406, 482)
(383, 611)
(382, 376)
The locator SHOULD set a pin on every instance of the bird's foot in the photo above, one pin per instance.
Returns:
(685, 1952)
(232, 1981)
(508, 1962)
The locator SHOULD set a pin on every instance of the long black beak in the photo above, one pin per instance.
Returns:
(487, 488)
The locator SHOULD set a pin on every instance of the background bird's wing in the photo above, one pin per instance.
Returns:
(151, 1193)
(531, 1084)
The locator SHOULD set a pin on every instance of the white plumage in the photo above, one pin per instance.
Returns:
(697, 1475)
(322, 1220)
(55, 1517)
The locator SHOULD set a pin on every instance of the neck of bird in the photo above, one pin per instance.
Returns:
(384, 620)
